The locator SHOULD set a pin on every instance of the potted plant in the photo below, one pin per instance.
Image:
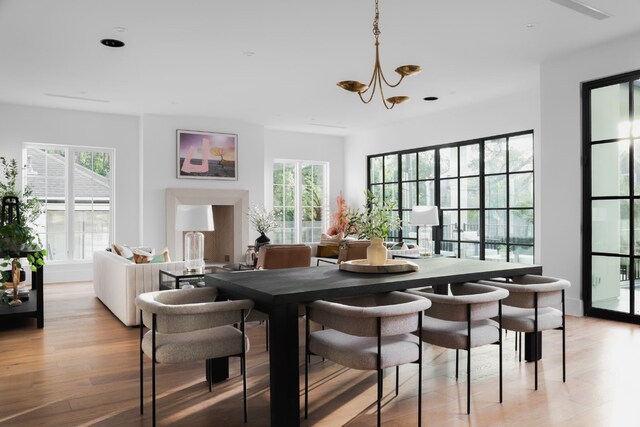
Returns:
(375, 222)
(263, 221)
(19, 210)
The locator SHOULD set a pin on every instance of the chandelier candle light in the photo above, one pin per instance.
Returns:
(378, 76)
(193, 219)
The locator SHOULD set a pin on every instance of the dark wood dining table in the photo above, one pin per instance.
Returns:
(278, 293)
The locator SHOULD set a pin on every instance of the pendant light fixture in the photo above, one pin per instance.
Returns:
(378, 76)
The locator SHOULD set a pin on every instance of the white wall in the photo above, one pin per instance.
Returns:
(159, 165)
(304, 146)
(561, 153)
(19, 124)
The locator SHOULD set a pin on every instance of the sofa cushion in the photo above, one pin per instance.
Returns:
(122, 250)
(161, 257)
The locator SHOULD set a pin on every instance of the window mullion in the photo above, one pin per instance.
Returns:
(69, 201)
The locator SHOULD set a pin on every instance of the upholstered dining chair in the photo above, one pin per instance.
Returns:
(462, 321)
(271, 257)
(373, 332)
(349, 250)
(187, 325)
(530, 308)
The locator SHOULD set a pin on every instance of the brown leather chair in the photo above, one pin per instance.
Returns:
(353, 249)
(271, 257)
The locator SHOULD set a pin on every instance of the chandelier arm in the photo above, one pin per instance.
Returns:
(384, 101)
(380, 68)
(375, 80)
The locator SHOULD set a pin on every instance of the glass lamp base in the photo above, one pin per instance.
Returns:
(194, 251)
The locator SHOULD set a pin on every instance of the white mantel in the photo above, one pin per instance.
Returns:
(239, 199)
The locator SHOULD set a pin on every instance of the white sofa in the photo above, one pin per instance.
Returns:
(117, 281)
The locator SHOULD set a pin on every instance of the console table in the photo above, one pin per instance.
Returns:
(34, 306)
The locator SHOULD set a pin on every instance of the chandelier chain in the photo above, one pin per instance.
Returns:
(376, 21)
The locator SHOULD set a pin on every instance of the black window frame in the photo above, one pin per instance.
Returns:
(508, 243)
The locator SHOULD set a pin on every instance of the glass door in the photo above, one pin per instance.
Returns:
(611, 211)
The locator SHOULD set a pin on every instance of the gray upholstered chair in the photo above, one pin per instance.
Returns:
(530, 308)
(462, 321)
(369, 333)
(187, 325)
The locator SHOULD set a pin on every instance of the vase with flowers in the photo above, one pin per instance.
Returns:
(262, 221)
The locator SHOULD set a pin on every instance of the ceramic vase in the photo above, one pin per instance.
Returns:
(376, 252)
(261, 241)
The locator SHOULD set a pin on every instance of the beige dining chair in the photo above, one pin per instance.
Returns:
(371, 332)
(186, 325)
(462, 321)
(530, 308)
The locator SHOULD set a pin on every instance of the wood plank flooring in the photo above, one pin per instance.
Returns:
(82, 370)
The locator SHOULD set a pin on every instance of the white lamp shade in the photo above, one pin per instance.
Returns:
(194, 218)
(425, 215)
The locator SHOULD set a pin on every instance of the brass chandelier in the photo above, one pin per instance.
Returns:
(378, 76)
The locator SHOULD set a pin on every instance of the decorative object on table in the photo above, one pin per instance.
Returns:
(207, 155)
(340, 221)
(18, 209)
(193, 219)
(425, 217)
(378, 76)
(389, 266)
(375, 222)
(262, 221)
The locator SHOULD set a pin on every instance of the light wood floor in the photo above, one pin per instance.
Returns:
(82, 370)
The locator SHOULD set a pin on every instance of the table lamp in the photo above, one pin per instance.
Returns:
(193, 219)
(425, 217)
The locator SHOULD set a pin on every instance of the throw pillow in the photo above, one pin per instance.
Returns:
(326, 239)
(161, 257)
(141, 257)
(122, 250)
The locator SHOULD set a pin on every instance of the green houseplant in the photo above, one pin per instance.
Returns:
(375, 222)
(16, 233)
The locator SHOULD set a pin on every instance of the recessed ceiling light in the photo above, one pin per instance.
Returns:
(112, 42)
(248, 53)
(120, 29)
(531, 25)
(431, 98)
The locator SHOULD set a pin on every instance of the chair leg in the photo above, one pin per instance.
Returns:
(153, 368)
(468, 359)
(520, 347)
(500, 345)
(420, 369)
(266, 331)
(306, 364)
(456, 364)
(141, 367)
(536, 338)
(564, 358)
(209, 368)
(243, 365)
(397, 379)
(379, 402)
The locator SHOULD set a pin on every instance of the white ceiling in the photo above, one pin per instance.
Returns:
(187, 57)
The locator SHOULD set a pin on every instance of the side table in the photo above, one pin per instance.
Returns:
(177, 279)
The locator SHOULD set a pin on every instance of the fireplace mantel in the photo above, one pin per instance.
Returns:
(239, 199)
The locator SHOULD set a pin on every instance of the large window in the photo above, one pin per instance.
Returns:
(484, 189)
(75, 187)
(300, 200)
(611, 209)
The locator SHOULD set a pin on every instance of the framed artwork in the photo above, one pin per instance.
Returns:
(207, 155)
